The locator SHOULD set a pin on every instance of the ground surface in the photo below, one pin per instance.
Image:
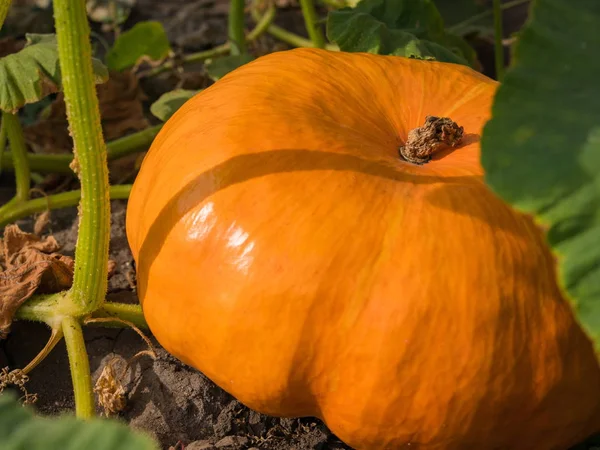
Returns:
(169, 400)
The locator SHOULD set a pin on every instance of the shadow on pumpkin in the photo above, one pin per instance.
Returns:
(245, 167)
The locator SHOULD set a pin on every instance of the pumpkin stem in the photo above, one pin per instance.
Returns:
(423, 141)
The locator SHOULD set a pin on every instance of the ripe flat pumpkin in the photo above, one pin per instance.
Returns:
(288, 250)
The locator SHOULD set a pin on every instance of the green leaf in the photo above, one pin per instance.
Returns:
(33, 73)
(218, 68)
(144, 39)
(21, 429)
(168, 103)
(541, 149)
(410, 28)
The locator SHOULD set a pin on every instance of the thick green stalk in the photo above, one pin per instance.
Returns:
(498, 36)
(132, 143)
(16, 211)
(80, 368)
(262, 23)
(91, 250)
(59, 163)
(130, 312)
(51, 309)
(14, 133)
(41, 163)
(310, 22)
(4, 7)
(235, 27)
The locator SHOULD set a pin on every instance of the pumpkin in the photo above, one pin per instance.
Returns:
(286, 249)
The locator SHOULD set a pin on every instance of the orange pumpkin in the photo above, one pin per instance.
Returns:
(286, 250)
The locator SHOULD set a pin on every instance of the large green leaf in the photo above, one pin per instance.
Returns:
(170, 102)
(144, 39)
(410, 28)
(541, 150)
(21, 429)
(32, 73)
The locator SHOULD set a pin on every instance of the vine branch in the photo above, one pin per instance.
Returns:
(83, 113)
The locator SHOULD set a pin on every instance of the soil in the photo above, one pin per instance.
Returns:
(167, 399)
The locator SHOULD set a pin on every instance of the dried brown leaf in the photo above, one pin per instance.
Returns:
(50, 134)
(121, 109)
(121, 105)
(29, 264)
(16, 378)
(110, 390)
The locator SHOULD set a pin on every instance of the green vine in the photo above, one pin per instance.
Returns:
(80, 368)
(286, 36)
(14, 133)
(52, 308)
(235, 27)
(310, 21)
(90, 163)
(56, 201)
(122, 311)
(60, 163)
(83, 112)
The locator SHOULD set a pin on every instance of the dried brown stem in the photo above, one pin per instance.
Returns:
(436, 133)
(54, 339)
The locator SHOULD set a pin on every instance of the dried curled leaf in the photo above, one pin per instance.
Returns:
(121, 109)
(110, 390)
(17, 378)
(32, 73)
(29, 264)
